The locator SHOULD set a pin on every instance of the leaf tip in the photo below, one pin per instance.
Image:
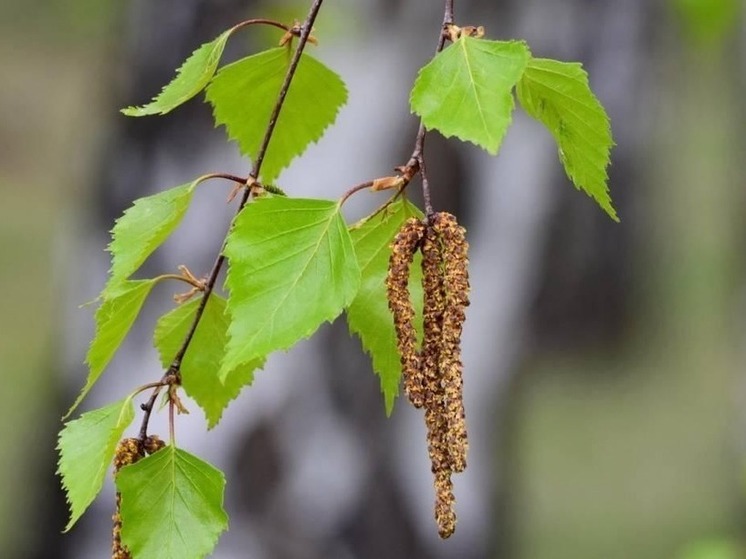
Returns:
(131, 111)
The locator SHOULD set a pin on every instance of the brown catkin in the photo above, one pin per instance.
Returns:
(153, 444)
(128, 452)
(433, 377)
(432, 346)
(456, 282)
(445, 512)
(403, 249)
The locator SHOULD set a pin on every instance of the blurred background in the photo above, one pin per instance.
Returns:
(605, 363)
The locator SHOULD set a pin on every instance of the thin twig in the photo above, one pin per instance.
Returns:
(185, 279)
(226, 176)
(148, 409)
(171, 429)
(262, 21)
(425, 187)
(353, 190)
(175, 367)
(417, 159)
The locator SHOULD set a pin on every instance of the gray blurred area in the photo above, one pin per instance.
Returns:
(604, 363)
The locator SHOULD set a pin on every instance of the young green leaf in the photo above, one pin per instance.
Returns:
(87, 448)
(191, 78)
(244, 93)
(143, 228)
(369, 316)
(201, 364)
(557, 94)
(291, 267)
(466, 90)
(172, 506)
(114, 318)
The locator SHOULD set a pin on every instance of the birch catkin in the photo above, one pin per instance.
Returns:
(456, 287)
(403, 249)
(433, 376)
(128, 452)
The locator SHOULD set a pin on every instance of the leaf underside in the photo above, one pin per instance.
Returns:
(466, 90)
(86, 447)
(557, 94)
(172, 506)
(201, 364)
(191, 78)
(369, 316)
(114, 318)
(244, 93)
(291, 268)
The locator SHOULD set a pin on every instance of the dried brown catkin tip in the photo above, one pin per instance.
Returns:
(456, 285)
(403, 249)
(445, 513)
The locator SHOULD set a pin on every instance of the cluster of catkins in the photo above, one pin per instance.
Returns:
(128, 452)
(433, 373)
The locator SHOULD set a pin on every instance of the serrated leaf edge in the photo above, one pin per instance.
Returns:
(605, 202)
(342, 227)
(73, 520)
(112, 282)
(313, 141)
(491, 149)
(149, 109)
(86, 387)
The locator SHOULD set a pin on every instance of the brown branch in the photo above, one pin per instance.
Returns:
(262, 21)
(354, 189)
(147, 407)
(226, 176)
(175, 367)
(416, 161)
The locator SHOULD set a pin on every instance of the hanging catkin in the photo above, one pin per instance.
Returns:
(403, 249)
(433, 376)
(128, 452)
(456, 287)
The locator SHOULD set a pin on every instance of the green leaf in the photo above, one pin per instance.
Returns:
(114, 318)
(87, 448)
(292, 267)
(201, 364)
(466, 90)
(144, 227)
(557, 94)
(191, 78)
(172, 506)
(369, 316)
(244, 93)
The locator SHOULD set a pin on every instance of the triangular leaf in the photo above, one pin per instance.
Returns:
(244, 93)
(143, 227)
(114, 318)
(466, 90)
(191, 78)
(201, 364)
(369, 316)
(292, 267)
(557, 94)
(172, 506)
(87, 448)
